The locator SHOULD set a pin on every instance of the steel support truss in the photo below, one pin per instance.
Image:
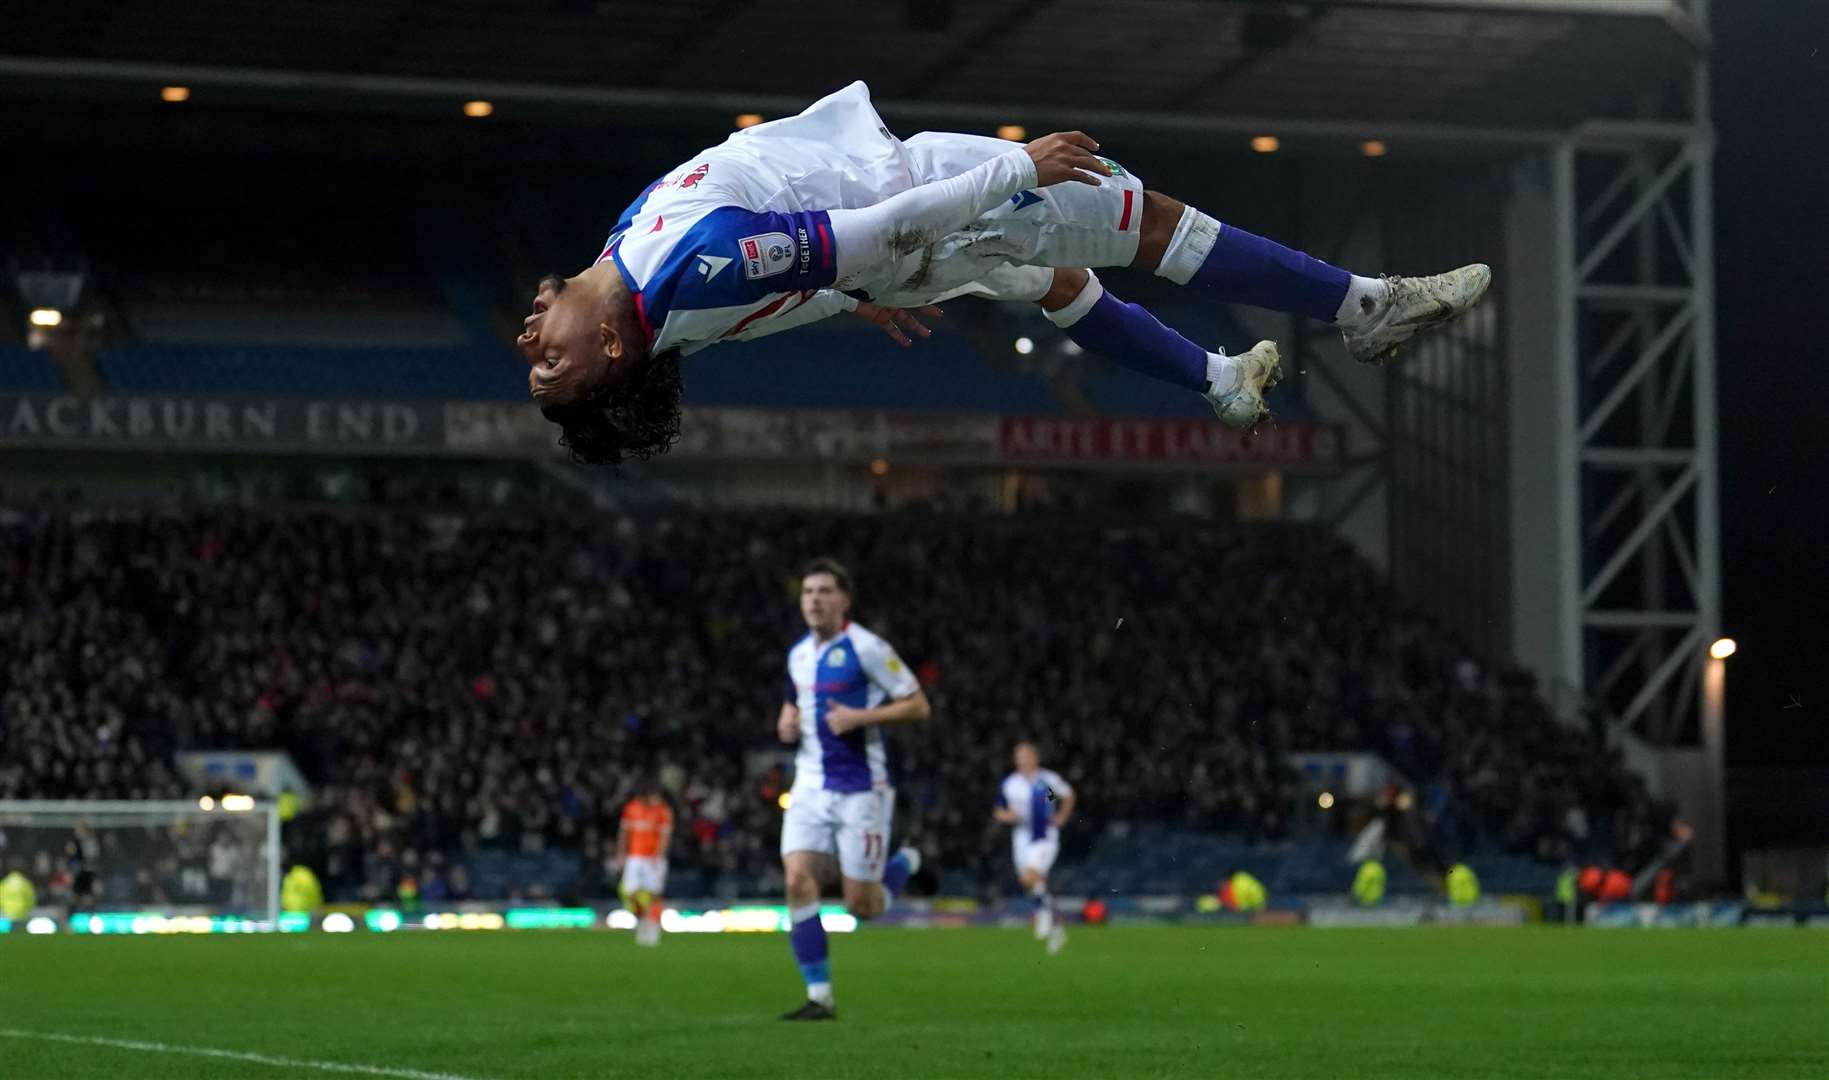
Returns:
(1639, 529)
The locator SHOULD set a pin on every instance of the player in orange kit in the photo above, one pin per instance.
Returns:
(641, 850)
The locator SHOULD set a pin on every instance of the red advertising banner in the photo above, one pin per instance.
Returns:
(1158, 442)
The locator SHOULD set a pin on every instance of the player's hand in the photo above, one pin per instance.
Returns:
(898, 323)
(787, 729)
(1067, 155)
(842, 718)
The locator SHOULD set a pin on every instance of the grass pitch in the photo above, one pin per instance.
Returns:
(1119, 1002)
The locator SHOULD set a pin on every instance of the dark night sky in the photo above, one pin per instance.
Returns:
(1772, 218)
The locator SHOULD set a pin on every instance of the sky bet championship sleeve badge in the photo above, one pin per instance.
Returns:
(766, 255)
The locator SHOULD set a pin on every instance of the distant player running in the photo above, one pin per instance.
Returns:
(641, 848)
(826, 212)
(1037, 802)
(843, 684)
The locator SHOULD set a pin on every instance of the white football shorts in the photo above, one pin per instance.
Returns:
(1036, 855)
(1010, 253)
(643, 873)
(854, 826)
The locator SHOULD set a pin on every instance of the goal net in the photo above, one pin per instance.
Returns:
(203, 858)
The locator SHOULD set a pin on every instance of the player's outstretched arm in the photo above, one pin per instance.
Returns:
(867, 237)
(898, 323)
(821, 305)
(787, 724)
(1063, 810)
(913, 709)
(1003, 815)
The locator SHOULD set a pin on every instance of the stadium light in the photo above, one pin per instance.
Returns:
(175, 94)
(1374, 148)
(206, 804)
(1266, 144)
(748, 119)
(238, 803)
(1024, 346)
(478, 109)
(1723, 648)
(786, 800)
(47, 317)
(1013, 132)
(1326, 800)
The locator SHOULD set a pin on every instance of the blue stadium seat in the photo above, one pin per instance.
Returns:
(24, 369)
(506, 873)
(477, 373)
(860, 370)
(1158, 859)
(1504, 873)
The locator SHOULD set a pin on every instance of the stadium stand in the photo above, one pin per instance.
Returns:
(475, 697)
(455, 373)
(848, 368)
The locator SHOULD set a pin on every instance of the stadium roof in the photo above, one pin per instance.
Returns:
(1455, 71)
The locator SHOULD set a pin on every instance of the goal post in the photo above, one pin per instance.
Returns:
(204, 857)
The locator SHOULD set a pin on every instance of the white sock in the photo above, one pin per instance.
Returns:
(1077, 308)
(1364, 298)
(1193, 241)
(1222, 374)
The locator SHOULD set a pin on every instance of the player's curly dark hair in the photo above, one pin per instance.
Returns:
(634, 422)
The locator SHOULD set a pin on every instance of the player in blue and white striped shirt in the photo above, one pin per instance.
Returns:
(1037, 802)
(843, 685)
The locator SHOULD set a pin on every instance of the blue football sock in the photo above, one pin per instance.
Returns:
(807, 936)
(1241, 267)
(895, 876)
(1129, 335)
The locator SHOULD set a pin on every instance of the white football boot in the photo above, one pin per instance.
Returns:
(1415, 305)
(1057, 940)
(1242, 406)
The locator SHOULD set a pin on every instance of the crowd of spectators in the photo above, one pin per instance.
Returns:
(459, 684)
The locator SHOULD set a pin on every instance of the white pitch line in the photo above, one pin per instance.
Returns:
(233, 1055)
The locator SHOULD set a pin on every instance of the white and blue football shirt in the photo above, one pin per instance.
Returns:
(1033, 800)
(855, 668)
(703, 268)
